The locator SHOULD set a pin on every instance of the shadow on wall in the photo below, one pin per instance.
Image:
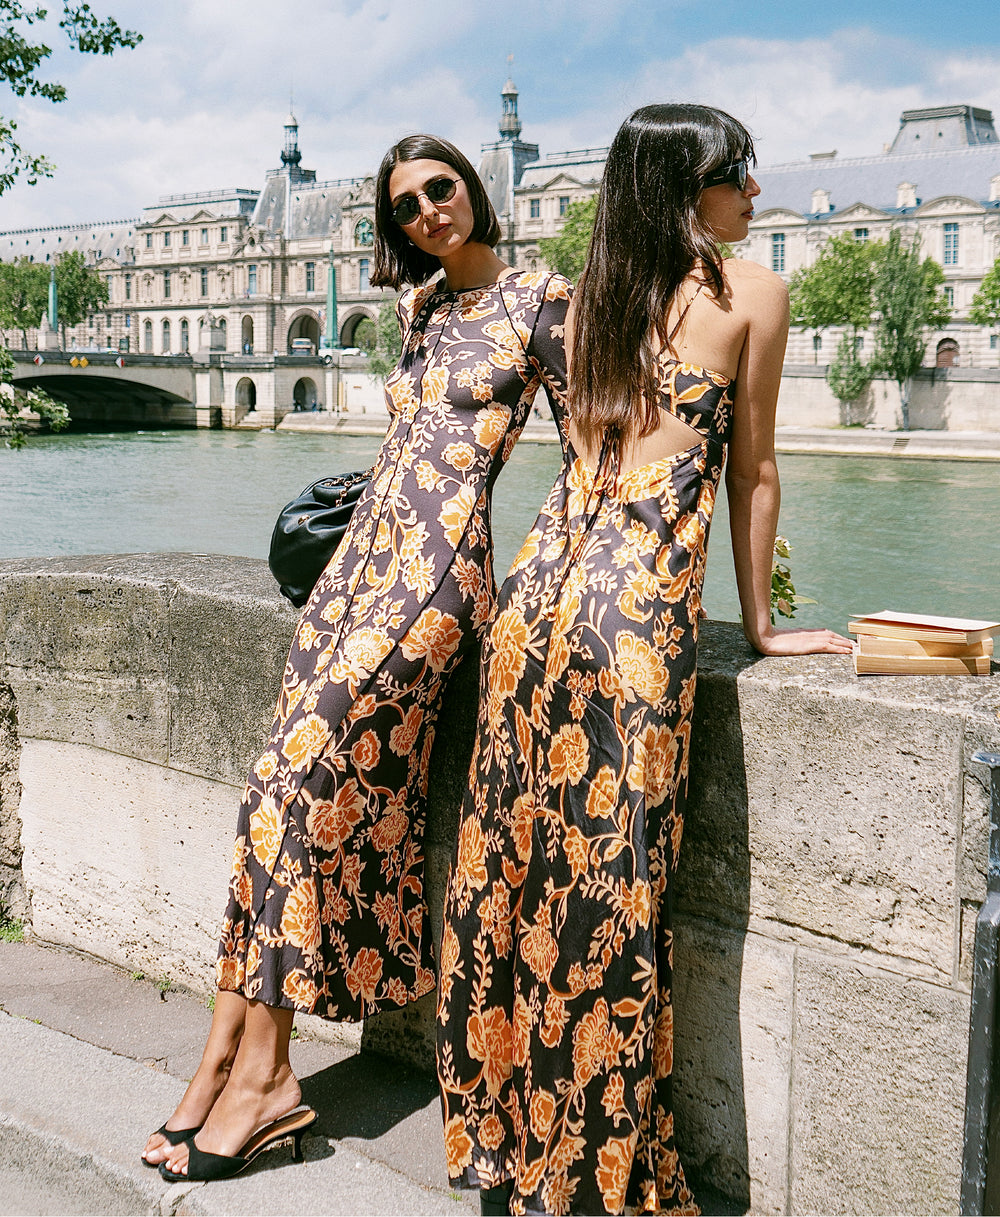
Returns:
(709, 1091)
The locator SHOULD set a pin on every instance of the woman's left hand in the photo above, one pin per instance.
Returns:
(803, 642)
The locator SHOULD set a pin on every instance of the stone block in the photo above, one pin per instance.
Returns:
(86, 656)
(732, 1060)
(13, 898)
(227, 655)
(879, 1069)
(982, 732)
(126, 860)
(854, 812)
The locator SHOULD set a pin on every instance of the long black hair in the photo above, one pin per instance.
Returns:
(397, 259)
(648, 237)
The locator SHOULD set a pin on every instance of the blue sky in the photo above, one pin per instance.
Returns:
(202, 101)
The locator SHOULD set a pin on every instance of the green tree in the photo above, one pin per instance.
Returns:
(24, 295)
(22, 54)
(80, 288)
(985, 309)
(837, 290)
(14, 403)
(909, 299)
(567, 252)
(847, 376)
(380, 340)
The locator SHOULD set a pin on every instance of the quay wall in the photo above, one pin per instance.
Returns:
(833, 862)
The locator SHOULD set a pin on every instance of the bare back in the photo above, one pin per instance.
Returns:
(712, 334)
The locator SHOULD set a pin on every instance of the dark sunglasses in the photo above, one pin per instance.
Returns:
(438, 190)
(735, 175)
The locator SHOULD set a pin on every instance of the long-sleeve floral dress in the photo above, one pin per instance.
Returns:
(326, 908)
(555, 1016)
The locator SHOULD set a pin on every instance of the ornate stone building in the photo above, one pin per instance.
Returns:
(286, 268)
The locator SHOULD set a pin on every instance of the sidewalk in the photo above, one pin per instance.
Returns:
(93, 1060)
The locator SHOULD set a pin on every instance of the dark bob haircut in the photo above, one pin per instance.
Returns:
(648, 237)
(397, 259)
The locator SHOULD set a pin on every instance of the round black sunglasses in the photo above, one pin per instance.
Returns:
(438, 190)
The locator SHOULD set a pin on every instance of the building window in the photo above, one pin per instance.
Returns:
(951, 244)
(108, 277)
(185, 336)
(859, 344)
(949, 296)
(204, 236)
(535, 208)
(994, 341)
(222, 331)
(166, 337)
(252, 280)
(223, 234)
(185, 237)
(149, 240)
(204, 281)
(363, 284)
(364, 234)
(166, 285)
(310, 276)
(128, 287)
(563, 204)
(166, 240)
(778, 252)
(861, 235)
(147, 337)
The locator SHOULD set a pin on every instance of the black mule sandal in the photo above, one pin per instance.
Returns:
(174, 1136)
(203, 1166)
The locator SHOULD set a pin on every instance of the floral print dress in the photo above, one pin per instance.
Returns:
(555, 1022)
(326, 910)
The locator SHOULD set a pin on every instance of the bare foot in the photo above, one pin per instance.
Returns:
(251, 1099)
(192, 1111)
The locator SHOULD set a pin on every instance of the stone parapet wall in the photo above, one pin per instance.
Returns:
(832, 867)
(941, 399)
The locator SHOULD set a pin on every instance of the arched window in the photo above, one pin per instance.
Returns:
(185, 336)
(222, 331)
(147, 337)
(247, 335)
(166, 337)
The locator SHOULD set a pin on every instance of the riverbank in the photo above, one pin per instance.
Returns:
(813, 441)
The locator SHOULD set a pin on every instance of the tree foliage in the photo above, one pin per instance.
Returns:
(381, 340)
(909, 300)
(22, 54)
(847, 375)
(24, 294)
(81, 288)
(837, 288)
(17, 405)
(985, 309)
(567, 252)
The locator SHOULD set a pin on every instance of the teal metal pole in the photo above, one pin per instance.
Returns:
(330, 337)
(53, 302)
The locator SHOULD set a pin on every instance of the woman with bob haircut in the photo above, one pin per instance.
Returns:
(555, 1016)
(326, 911)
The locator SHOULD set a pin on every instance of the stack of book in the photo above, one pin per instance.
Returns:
(909, 643)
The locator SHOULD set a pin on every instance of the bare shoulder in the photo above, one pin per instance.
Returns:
(754, 287)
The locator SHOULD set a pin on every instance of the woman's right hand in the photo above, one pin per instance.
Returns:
(802, 642)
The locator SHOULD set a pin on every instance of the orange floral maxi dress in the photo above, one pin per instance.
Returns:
(326, 910)
(555, 1022)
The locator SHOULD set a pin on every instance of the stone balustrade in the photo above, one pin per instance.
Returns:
(832, 867)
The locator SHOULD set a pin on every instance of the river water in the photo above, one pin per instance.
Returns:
(867, 533)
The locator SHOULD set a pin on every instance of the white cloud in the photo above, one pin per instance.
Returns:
(201, 103)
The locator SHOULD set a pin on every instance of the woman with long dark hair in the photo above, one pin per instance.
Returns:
(555, 1020)
(326, 910)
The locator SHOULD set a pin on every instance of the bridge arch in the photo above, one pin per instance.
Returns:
(246, 394)
(304, 324)
(304, 394)
(349, 330)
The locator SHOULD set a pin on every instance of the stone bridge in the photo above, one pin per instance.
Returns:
(203, 390)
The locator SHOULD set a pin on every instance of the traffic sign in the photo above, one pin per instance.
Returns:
(119, 362)
(38, 361)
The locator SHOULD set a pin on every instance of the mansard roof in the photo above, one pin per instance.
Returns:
(112, 238)
(582, 165)
(872, 180)
(300, 210)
